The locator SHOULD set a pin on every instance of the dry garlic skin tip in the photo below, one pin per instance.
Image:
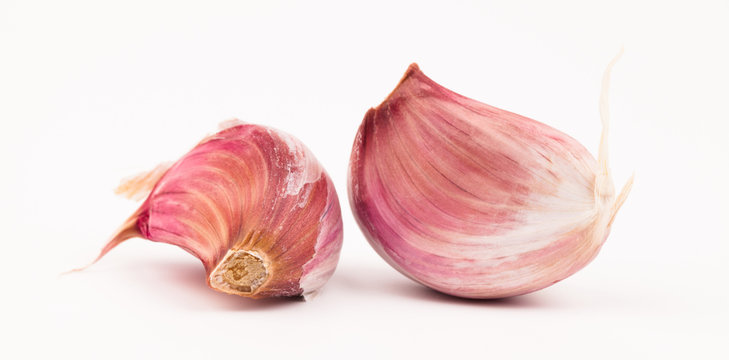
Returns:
(472, 200)
(253, 204)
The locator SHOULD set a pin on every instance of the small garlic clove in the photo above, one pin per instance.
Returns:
(475, 201)
(252, 203)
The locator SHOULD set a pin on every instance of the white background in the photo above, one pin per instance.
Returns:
(91, 92)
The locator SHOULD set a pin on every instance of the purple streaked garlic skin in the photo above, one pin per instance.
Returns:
(252, 203)
(475, 201)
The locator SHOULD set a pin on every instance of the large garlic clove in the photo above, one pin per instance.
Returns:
(252, 203)
(475, 201)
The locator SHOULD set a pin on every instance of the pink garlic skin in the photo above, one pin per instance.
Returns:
(247, 187)
(472, 200)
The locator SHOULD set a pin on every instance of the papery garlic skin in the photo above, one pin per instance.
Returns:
(472, 200)
(253, 204)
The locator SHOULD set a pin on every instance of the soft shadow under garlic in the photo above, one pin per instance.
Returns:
(183, 284)
(417, 291)
(381, 281)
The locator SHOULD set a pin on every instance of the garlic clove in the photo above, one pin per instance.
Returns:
(252, 203)
(475, 201)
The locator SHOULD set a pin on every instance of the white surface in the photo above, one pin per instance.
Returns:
(92, 92)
